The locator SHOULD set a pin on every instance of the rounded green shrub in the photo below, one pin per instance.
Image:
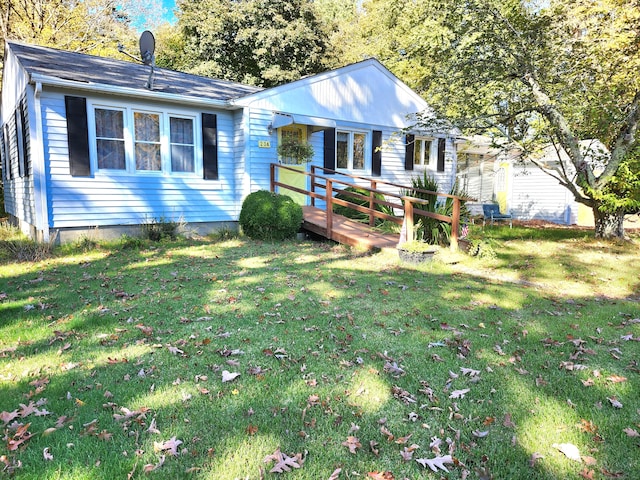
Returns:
(270, 216)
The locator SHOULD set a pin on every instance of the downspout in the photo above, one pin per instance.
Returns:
(38, 165)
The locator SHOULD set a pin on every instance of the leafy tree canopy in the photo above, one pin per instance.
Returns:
(88, 26)
(536, 73)
(260, 42)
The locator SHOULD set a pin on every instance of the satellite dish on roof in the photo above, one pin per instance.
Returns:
(147, 47)
(147, 50)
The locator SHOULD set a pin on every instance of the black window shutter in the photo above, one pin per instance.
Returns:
(20, 140)
(25, 136)
(441, 145)
(376, 153)
(408, 152)
(5, 154)
(77, 136)
(330, 150)
(210, 146)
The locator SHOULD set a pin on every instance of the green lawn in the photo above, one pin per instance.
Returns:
(119, 361)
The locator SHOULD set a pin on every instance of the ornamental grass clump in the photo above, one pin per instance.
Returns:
(270, 216)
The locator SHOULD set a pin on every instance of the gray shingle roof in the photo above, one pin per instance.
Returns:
(89, 69)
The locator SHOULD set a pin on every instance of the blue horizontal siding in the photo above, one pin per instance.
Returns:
(127, 199)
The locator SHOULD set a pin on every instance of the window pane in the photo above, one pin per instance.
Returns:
(111, 154)
(110, 139)
(358, 150)
(147, 141)
(417, 152)
(182, 145)
(182, 158)
(147, 127)
(181, 130)
(109, 123)
(148, 156)
(342, 150)
(427, 152)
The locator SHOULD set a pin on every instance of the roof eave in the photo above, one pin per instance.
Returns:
(49, 81)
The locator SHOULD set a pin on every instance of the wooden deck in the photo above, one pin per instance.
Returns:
(346, 231)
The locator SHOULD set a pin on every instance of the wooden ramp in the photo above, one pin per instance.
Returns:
(346, 231)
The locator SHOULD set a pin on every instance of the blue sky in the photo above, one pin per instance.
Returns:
(169, 6)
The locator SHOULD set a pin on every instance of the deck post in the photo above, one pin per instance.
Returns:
(408, 218)
(329, 204)
(313, 185)
(372, 204)
(455, 224)
(272, 182)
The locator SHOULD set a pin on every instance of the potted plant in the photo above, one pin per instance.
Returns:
(417, 251)
(294, 152)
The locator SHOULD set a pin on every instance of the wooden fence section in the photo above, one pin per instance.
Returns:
(324, 186)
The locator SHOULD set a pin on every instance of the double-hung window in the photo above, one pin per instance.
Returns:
(351, 150)
(137, 141)
(181, 139)
(423, 152)
(110, 149)
(147, 141)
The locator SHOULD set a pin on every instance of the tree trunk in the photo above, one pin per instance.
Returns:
(609, 225)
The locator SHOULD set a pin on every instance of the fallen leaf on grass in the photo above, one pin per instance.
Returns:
(352, 443)
(631, 432)
(150, 467)
(435, 463)
(569, 450)
(508, 422)
(229, 376)
(284, 463)
(46, 454)
(615, 403)
(586, 473)
(459, 393)
(335, 474)
(170, 446)
(535, 456)
(381, 475)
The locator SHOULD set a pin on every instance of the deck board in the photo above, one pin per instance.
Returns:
(347, 231)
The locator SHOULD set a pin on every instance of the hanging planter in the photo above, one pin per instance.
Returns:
(294, 152)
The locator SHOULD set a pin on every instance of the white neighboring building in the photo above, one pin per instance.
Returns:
(523, 189)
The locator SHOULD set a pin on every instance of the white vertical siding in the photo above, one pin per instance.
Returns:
(535, 195)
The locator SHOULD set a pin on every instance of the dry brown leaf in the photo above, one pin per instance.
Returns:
(335, 474)
(284, 463)
(535, 456)
(352, 443)
(586, 473)
(170, 446)
(381, 475)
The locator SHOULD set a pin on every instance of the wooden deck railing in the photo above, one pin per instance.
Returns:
(331, 182)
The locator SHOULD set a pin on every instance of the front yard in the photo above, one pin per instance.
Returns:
(236, 359)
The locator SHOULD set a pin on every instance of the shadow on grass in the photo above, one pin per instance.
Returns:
(316, 328)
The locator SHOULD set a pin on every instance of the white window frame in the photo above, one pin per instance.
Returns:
(425, 161)
(129, 140)
(367, 150)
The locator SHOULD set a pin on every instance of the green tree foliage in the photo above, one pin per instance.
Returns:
(260, 42)
(88, 26)
(555, 74)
